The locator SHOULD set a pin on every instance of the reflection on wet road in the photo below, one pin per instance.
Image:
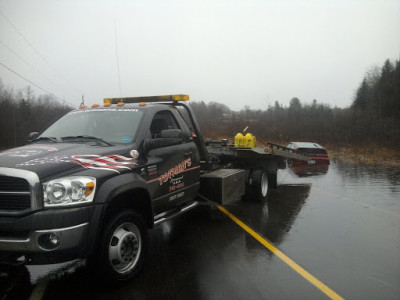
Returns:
(341, 224)
(296, 267)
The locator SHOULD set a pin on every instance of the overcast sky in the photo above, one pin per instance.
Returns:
(234, 52)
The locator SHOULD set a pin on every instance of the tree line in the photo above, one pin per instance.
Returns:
(379, 92)
(22, 113)
(373, 119)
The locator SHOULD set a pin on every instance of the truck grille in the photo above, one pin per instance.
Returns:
(15, 202)
(14, 193)
(14, 184)
(18, 190)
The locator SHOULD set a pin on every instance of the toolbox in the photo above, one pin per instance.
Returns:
(223, 185)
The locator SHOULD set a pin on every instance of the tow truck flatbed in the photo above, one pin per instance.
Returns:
(271, 151)
(221, 153)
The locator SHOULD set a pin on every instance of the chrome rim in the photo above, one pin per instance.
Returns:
(125, 247)
(264, 184)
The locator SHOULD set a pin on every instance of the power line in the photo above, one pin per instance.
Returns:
(30, 65)
(37, 52)
(34, 84)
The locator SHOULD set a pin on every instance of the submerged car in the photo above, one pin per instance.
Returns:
(316, 152)
(305, 170)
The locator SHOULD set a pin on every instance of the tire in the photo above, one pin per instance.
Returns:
(122, 248)
(258, 187)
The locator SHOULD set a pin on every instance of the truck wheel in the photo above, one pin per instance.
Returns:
(122, 247)
(258, 187)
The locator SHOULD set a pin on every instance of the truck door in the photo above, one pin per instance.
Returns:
(173, 171)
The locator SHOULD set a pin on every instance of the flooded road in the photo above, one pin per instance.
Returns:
(340, 224)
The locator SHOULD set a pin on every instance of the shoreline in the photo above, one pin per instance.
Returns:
(367, 156)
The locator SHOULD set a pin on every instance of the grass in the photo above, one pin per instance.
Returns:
(372, 155)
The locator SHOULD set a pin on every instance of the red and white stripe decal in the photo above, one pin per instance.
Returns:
(108, 162)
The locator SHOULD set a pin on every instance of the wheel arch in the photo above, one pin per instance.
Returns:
(127, 191)
(137, 199)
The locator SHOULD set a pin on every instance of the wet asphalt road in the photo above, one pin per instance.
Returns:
(341, 225)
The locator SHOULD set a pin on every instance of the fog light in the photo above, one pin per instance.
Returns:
(49, 241)
(21, 259)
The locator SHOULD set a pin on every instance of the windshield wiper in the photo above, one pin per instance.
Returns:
(86, 137)
(46, 138)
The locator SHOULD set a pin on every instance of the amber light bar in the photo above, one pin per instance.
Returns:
(148, 99)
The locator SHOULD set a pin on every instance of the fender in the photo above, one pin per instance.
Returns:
(118, 185)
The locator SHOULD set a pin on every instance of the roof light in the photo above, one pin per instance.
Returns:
(95, 105)
(180, 97)
(107, 104)
(82, 106)
(120, 104)
(142, 104)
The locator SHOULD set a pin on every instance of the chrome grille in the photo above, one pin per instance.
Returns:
(18, 191)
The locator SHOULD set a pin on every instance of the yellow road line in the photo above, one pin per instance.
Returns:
(321, 286)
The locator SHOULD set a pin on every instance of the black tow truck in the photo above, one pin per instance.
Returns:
(93, 183)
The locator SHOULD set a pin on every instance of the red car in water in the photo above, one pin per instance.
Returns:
(316, 152)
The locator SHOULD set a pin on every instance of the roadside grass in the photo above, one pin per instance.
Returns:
(369, 155)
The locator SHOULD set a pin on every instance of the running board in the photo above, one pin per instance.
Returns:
(174, 212)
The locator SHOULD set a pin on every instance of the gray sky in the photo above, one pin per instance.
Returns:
(234, 52)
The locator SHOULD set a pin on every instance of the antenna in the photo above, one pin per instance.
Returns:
(116, 54)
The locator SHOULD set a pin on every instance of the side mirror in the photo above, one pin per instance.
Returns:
(171, 133)
(32, 136)
(169, 137)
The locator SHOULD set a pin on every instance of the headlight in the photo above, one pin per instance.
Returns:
(69, 191)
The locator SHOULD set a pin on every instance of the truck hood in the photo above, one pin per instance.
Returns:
(51, 159)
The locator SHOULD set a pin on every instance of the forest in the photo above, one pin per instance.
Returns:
(373, 119)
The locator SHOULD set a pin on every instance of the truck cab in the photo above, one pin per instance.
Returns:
(91, 184)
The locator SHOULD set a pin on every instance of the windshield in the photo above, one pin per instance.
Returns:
(111, 125)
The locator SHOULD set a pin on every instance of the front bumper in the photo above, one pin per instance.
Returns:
(69, 238)
(47, 236)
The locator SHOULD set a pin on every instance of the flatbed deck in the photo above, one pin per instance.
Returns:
(273, 152)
